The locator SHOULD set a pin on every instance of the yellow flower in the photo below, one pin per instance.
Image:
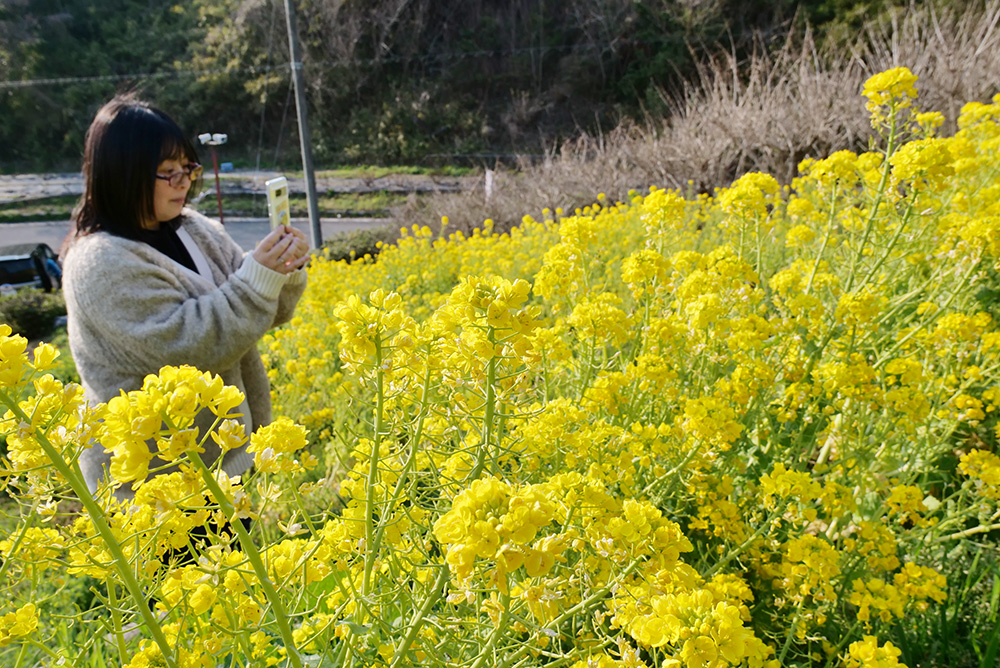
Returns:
(929, 122)
(799, 236)
(13, 361)
(928, 160)
(642, 269)
(749, 198)
(886, 600)
(920, 583)
(179, 443)
(699, 651)
(662, 212)
(44, 356)
(861, 307)
(713, 420)
(36, 548)
(866, 653)
(282, 435)
(907, 503)
(839, 168)
(230, 435)
(781, 483)
(202, 598)
(876, 543)
(18, 624)
(897, 85)
(809, 567)
(983, 467)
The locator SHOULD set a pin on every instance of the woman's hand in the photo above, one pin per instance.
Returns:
(284, 249)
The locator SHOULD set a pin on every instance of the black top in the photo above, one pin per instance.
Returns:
(167, 242)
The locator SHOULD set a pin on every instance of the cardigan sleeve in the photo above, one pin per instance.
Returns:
(290, 293)
(289, 296)
(232, 257)
(145, 310)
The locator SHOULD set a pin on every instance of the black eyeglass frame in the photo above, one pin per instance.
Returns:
(192, 171)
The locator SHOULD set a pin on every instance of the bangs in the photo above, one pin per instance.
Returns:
(175, 146)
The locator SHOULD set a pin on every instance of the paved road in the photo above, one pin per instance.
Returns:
(26, 187)
(244, 231)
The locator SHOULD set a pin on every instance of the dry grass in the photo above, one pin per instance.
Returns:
(766, 114)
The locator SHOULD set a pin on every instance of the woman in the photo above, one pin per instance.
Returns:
(150, 282)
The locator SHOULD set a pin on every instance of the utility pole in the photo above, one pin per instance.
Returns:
(305, 138)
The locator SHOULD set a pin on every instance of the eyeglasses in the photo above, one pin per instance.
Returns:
(192, 171)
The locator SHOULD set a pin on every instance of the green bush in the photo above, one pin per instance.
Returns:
(358, 243)
(31, 313)
(64, 369)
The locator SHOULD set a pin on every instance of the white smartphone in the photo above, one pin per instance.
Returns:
(277, 202)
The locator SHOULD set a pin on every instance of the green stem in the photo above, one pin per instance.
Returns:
(252, 555)
(501, 626)
(791, 633)
(745, 545)
(407, 465)
(545, 378)
(116, 621)
(814, 357)
(892, 244)
(968, 532)
(826, 238)
(880, 194)
(17, 543)
(669, 475)
(844, 639)
(341, 658)
(21, 654)
(101, 526)
(761, 280)
(913, 332)
(586, 364)
(418, 617)
(373, 470)
(488, 414)
(838, 422)
(904, 300)
(305, 513)
(581, 607)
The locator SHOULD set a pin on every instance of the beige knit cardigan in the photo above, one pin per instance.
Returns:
(132, 310)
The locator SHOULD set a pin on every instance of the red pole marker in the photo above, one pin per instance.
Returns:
(218, 187)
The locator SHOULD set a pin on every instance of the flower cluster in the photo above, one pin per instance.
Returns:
(18, 624)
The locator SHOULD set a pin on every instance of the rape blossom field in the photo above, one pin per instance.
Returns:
(757, 429)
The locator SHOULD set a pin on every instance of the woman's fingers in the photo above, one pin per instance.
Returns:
(298, 263)
(300, 246)
(284, 249)
(270, 249)
(273, 237)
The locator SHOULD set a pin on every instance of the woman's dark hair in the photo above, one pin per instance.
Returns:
(126, 142)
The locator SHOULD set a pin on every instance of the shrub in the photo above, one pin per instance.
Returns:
(31, 313)
(358, 243)
(64, 368)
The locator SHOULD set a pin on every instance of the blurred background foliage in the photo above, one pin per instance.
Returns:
(389, 81)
